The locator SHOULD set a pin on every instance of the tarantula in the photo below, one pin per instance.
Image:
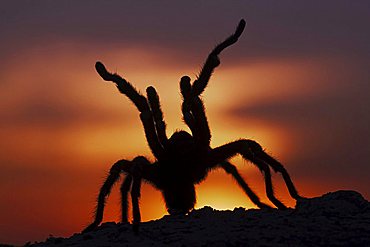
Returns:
(184, 159)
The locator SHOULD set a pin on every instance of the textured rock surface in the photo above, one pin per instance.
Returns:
(339, 218)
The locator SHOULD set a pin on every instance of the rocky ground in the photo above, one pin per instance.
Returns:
(339, 218)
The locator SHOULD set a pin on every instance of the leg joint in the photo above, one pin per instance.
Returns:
(118, 167)
(253, 145)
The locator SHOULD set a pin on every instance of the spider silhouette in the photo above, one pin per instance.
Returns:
(184, 159)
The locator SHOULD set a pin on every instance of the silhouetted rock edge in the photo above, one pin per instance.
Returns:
(340, 218)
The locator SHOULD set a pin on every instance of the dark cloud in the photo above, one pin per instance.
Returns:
(283, 28)
(46, 111)
(329, 133)
(326, 109)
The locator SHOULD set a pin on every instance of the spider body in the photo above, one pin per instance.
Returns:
(184, 159)
(183, 168)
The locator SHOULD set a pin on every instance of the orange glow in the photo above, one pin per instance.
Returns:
(220, 192)
(60, 165)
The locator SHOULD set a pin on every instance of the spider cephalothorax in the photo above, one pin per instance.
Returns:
(184, 159)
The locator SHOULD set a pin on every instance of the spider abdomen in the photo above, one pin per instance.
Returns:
(179, 197)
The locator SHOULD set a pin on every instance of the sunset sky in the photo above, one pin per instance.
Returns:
(297, 82)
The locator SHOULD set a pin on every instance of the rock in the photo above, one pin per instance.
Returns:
(340, 203)
(340, 218)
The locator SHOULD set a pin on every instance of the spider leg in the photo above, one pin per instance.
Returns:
(185, 88)
(124, 87)
(125, 188)
(213, 61)
(253, 152)
(155, 106)
(203, 132)
(193, 108)
(231, 169)
(114, 173)
(141, 169)
(278, 167)
(136, 170)
(140, 102)
(194, 113)
(135, 196)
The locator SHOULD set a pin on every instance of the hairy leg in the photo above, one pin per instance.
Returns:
(140, 102)
(253, 152)
(136, 170)
(155, 107)
(192, 107)
(231, 169)
(137, 173)
(124, 87)
(194, 113)
(185, 88)
(213, 61)
(135, 196)
(114, 173)
(278, 167)
(125, 188)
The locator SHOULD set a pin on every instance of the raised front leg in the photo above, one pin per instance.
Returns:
(213, 61)
(140, 102)
(155, 107)
(192, 108)
(194, 113)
